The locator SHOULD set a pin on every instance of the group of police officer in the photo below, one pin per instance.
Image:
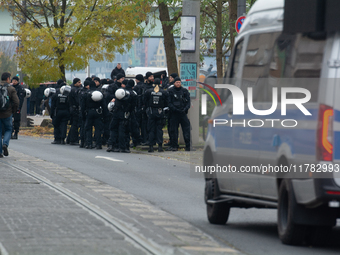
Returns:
(120, 109)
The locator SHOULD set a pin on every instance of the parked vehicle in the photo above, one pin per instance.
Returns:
(264, 57)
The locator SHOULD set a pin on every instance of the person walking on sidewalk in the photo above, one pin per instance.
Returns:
(17, 115)
(8, 106)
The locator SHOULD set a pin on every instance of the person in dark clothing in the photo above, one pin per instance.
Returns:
(33, 100)
(121, 111)
(179, 104)
(6, 113)
(17, 115)
(39, 98)
(155, 101)
(106, 118)
(139, 88)
(114, 86)
(116, 71)
(98, 83)
(82, 115)
(164, 81)
(95, 108)
(60, 113)
(168, 114)
(74, 111)
(147, 85)
(133, 125)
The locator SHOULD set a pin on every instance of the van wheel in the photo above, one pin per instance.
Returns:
(289, 232)
(217, 213)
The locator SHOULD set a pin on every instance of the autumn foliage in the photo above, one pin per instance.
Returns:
(59, 35)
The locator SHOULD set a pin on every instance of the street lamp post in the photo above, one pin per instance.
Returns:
(190, 58)
(241, 8)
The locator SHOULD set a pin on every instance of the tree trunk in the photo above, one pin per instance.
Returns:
(219, 46)
(169, 41)
(232, 20)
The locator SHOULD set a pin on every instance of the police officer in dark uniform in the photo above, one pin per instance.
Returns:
(94, 106)
(17, 115)
(114, 86)
(119, 127)
(60, 113)
(139, 88)
(147, 85)
(133, 125)
(168, 113)
(74, 111)
(155, 101)
(82, 114)
(107, 118)
(179, 104)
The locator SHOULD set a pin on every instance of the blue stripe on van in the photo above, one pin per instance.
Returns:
(301, 141)
(337, 145)
(336, 115)
(336, 152)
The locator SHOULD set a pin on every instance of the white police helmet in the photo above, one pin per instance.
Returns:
(96, 96)
(46, 92)
(120, 93)
(28, 93)
(62, 89)
(49, 91)
(105, 87)
(110, 106)
(67, 90)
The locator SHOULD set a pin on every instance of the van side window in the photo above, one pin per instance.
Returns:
(232, 71)
(237, 55)
(256, 66)
(258, 55)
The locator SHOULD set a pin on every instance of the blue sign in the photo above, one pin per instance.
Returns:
(189, 76)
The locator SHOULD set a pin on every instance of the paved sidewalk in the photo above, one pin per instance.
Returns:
(37, 219)
(34, 219)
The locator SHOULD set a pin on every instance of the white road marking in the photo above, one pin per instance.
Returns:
(111, 159)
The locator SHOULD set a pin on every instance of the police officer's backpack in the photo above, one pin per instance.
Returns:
(4, 98)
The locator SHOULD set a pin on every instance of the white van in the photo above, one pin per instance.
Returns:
(131, 72)
(304, 148)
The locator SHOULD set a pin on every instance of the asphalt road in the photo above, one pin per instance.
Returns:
(166, 183)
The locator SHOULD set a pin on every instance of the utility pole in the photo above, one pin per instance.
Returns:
(241, 8)
(190, 60)
(23, 120)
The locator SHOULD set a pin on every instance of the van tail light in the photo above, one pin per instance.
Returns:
(325, 134)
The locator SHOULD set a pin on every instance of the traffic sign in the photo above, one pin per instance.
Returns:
(239, 23)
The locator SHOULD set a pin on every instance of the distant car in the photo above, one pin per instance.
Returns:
(307, 207)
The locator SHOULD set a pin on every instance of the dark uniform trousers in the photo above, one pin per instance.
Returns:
(176, 119)
(74, 130)
(93, 118)
(119, 130)
(155, 124)
(59, 122)
(82, 134)
(16, 122)
(106, 130)
(134, 130)
(144, 128)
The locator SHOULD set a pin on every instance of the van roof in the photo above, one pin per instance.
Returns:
(264, 5)
(264, 14)
(133, 71)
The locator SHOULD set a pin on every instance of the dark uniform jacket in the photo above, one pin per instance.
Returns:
(116, 71)
(178, 100)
